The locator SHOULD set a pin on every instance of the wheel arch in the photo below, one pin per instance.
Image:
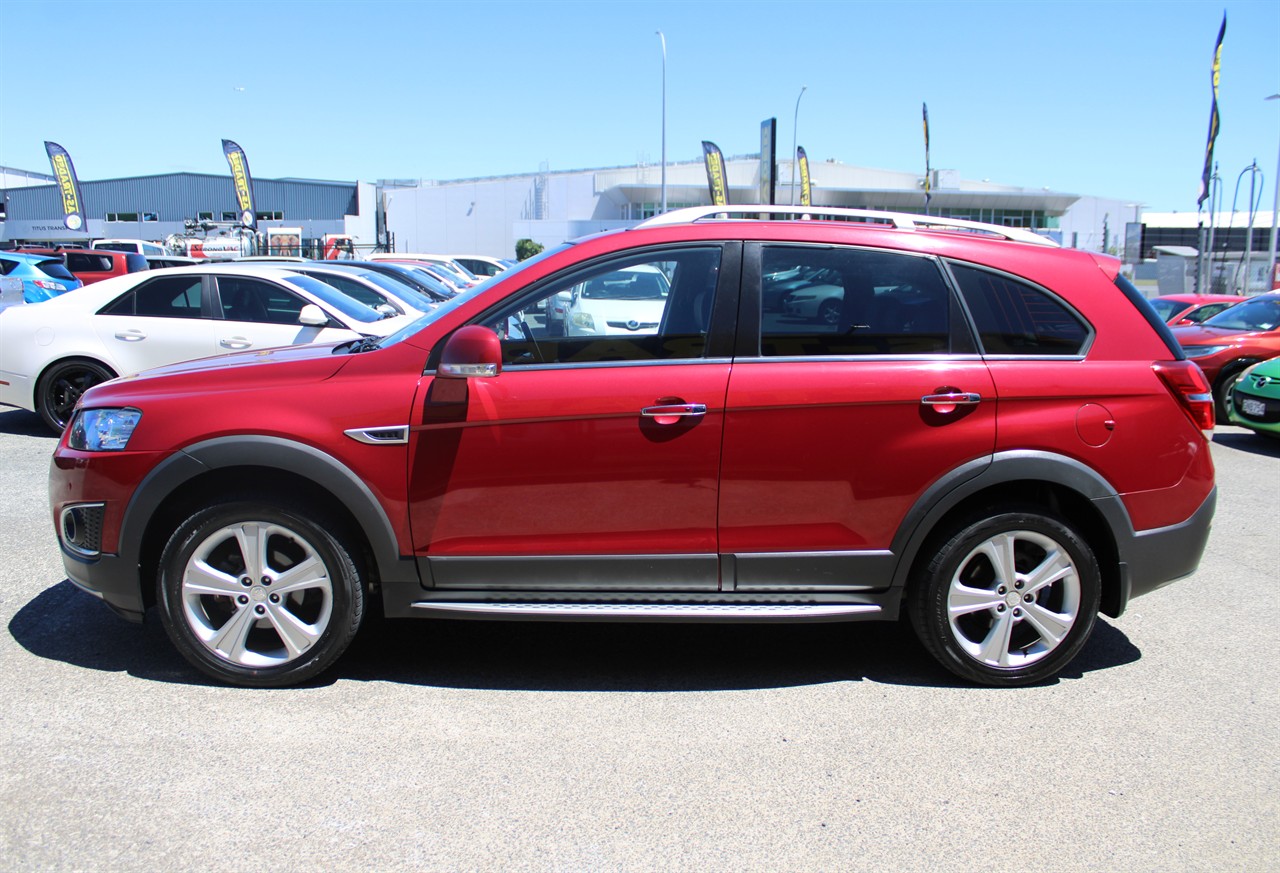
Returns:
(258, 467)
(1061, 486)
(37, 383)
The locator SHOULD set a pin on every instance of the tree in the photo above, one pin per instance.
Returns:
(527, 248)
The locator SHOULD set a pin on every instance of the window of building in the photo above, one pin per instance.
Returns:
(150, 216)
(122, 216)
(204, 216)
(270, 216)
(231, 216)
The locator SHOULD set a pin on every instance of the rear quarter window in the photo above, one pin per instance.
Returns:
(1017, 318)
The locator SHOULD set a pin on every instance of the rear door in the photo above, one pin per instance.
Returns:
(838, 420)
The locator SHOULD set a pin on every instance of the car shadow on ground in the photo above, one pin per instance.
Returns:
(1245, 440)
(20, 422)
(64, 624)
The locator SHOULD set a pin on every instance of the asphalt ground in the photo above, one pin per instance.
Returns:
(487, 746)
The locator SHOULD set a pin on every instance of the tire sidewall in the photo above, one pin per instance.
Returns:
(347, 594)
(929, 597)
(44, 404)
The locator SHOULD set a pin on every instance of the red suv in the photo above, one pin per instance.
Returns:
(996, 436)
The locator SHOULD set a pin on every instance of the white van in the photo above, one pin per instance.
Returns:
(137, 246)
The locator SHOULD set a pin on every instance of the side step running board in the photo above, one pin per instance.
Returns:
(652, 611)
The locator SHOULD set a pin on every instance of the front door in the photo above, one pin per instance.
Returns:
(591, 461)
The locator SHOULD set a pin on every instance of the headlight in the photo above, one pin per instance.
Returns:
(103, 430)
(583, 320)
(1202, 351)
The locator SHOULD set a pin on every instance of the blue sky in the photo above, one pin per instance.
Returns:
(1104, 98)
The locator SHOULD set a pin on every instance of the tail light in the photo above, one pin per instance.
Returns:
(1186, 382)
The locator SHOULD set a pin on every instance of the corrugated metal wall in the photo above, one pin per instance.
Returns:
(176, 196)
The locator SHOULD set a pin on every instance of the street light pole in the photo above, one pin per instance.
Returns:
(1275, 211)
(795, 161)
(663, 38)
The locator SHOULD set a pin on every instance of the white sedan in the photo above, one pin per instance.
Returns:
(52, 352)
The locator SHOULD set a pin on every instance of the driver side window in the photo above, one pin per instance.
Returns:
(652, 307)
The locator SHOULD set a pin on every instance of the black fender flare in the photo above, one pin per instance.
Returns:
(1025, 465)
(289, 456)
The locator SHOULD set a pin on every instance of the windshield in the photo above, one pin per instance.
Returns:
(1260, 313)
(400, 290)
(334, 298)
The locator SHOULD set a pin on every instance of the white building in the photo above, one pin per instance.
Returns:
(487, 215)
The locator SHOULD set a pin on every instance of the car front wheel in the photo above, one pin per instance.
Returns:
(258, 595)
(1007, 600)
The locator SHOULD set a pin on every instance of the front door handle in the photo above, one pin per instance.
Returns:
(235, 342)
(951, 398)
(674, 411)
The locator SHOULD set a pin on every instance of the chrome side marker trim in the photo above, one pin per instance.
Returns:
(752, 611)
(380, 436)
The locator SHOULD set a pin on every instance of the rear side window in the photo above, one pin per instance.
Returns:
(55, 270)
(169, 297)
(85, 262)
(136, 263)
(1017, 318)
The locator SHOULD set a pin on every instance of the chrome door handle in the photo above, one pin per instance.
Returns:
(675, 410)
(235, 342)
(955, 398)
(131, 336)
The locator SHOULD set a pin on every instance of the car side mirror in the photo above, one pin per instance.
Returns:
(312, 316)
(473, 351)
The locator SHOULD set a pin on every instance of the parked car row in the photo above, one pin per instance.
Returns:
(51, 353)
(44, 279)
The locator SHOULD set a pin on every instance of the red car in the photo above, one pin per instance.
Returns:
(1232, 340)
(94, 265)
(1183, 309)
(996, 438)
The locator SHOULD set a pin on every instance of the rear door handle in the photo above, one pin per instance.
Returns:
(131, 336)
(235, 342)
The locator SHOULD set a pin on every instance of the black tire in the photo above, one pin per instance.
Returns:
(1222, 393)
(61, 386)
(829, 312)
(224, 610)
(1006, 631)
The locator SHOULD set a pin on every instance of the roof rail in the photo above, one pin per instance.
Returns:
(900, 220)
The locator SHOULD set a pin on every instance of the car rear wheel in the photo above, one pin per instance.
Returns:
(61, 386)
(1007, 600)
(258, 595)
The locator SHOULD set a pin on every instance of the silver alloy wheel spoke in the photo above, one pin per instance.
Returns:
(995, 648)
(964, 600)
(310, 573)
(296, 635)
(1051, 626)
(230, 639)
(1055, 567)
(203, 579)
